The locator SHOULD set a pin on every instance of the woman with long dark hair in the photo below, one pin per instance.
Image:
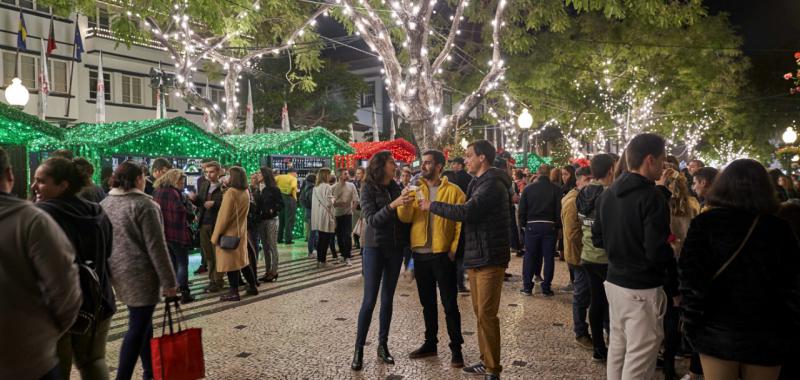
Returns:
(57, 183)
(139, 262)
(383, 242)
(232, 222)
(740, 278)
(568, 179)
(270, 202)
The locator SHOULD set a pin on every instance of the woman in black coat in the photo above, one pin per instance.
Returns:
(740, 310)
(384, 238)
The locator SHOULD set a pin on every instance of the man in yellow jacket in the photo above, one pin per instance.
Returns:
(434, 241)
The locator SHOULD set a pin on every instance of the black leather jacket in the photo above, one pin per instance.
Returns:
(383, 228)
(486, 218)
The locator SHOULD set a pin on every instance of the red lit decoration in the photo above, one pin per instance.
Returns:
(580, 161)
(401, 149)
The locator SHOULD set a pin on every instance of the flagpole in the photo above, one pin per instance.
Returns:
(71, 72)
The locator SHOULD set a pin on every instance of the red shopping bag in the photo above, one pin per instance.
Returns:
(177, 355)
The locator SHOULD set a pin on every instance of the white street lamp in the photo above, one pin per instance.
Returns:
(525, 120)
(789, 136)
(795, 158)
(16, 94)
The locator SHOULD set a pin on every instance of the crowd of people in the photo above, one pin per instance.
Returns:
(662, 261)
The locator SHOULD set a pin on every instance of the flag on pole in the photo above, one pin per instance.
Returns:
(285, 126)
(392, 130)
(22, 34)
(51, 38)
(44, 83)
(78, 41)
(161, 102)
(100, 112)
(375, 136)
(249, 126)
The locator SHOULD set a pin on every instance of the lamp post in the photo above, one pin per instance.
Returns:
(525, 120)
(16, 94)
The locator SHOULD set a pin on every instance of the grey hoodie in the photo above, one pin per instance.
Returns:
(39, 291)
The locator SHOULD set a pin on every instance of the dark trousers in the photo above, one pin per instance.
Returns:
(672, 335)
(344, 226)
(53, 374)
(286, 219)
(581, 298)
(460, 262)
(249, 276)
(137, 342)
(179, 254)
(381, 265)
(540, 246)
(598, 309)
(87, 352)
(323, 242)
(430, 272)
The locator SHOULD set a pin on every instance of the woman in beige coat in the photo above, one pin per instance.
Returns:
(232, 221)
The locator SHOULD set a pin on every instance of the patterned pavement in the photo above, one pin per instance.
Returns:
(303, 327)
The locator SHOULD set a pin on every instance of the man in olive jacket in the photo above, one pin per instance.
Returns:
(485, 218)
(39, 292)
(434, 241)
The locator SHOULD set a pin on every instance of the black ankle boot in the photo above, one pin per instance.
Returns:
(358, 359)
(384, 355)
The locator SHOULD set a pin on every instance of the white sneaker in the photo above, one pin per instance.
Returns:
(347, 262)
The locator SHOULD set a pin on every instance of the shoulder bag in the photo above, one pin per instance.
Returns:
(738, 250)
(231, 242)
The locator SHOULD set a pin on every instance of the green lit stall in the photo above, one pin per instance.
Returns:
(305, 151)
(20, 135)
(177, 139)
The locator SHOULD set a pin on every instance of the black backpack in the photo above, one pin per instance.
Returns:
(306, 197)
(92, 306)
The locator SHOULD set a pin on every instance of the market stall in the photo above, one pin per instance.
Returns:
(534, 161)
(402, 151)
(21, 135)
(304, 151)
(177, 139)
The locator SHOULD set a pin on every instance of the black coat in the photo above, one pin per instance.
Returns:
(750, 312)
(88, 228)
(462, 180)
(486, 219)
(632, 225)
(383, 229)
(208, 216)
(540, 201)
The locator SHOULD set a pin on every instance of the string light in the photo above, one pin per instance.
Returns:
(401, 150)
(20, 128)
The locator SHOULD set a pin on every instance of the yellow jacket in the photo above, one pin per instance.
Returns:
(287, 183)
(445, 231)
(573, 234)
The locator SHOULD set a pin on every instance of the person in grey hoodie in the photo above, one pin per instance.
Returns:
(139, 262)
(39, 291)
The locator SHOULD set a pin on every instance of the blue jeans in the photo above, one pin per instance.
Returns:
(180, 263)
(380, 265)
(137, 342)
(580, 302)
(540, 245)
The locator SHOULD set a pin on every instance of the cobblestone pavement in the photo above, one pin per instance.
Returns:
(303, 327)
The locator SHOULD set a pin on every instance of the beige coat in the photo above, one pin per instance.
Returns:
(235, 205)
(573, 234)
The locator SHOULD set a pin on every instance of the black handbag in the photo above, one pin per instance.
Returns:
(231, 242)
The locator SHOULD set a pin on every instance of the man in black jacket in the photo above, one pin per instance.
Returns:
(485, 218)
(208, 200)
(633, 227)
(462, 177)
(540, 217)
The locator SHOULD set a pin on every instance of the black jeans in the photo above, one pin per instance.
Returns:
(598, 307)
(137, 342)
(540, 246)
(672, 335)
(179, 254)
(323, 242)
(344, 226)
(53, 374)
(431, 270)
(249, 276)
(380, 265)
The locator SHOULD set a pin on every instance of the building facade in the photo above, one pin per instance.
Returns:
(128, 91)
